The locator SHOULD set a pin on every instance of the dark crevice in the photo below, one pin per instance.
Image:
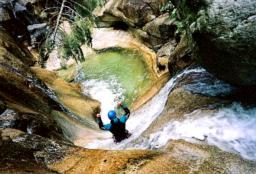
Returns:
(120, 25)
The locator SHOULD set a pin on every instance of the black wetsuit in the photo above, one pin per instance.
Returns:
(117, 126)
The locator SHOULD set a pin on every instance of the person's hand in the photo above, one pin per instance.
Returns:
(98, 115)
(119, 104)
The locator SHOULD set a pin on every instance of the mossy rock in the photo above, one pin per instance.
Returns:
(222, 36)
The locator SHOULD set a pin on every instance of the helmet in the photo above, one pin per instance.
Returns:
(111, 115)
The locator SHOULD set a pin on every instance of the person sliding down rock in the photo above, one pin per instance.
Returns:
(117, 125)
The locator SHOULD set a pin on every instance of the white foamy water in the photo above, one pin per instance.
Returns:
(106, 92)
(232, 128)
(141, 119)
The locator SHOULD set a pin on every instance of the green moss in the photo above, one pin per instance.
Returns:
(68, 74)
(187, 13)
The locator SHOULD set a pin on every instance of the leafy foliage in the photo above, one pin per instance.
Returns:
(81, 31)
(79, 14)
(87, 6)
(80, 35)
(167, 7)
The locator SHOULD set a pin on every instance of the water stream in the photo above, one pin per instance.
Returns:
(231, 128)
(141, 119)
(115, 75)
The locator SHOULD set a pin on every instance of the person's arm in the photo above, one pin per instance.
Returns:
(126, 110)
(100, 123)
(126, 115)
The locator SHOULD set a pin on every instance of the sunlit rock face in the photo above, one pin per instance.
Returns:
(143, 18)
(223, 36)
(103, 38)
(21, 89)
(21, 152)
(147, 21)
(133, 12)
(16, 77)
(70, 95)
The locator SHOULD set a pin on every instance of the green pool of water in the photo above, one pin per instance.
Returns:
(125, 67)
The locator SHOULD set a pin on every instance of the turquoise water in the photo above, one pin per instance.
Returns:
(123, 70)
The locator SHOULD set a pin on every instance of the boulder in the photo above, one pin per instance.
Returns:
(167, 49)
(37, 32)
(26, 122)
(161, 27)
(133, 15)
(159, 31)
(19, 157)
(54, 60)
(132, 12)
(8, 118)
(4, 15)
(194, 91)
(223, 35)
(163, 55)
(181, 56)
(21, 19)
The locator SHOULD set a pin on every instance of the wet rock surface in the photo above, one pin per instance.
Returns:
(17, 157)
(41, 155)
(23, 92)
(180, 102)
(70, 95)
(20, 89)
(198, 90)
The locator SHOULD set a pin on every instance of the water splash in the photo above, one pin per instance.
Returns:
(232, 128)
(141, 119)
(106, 92)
